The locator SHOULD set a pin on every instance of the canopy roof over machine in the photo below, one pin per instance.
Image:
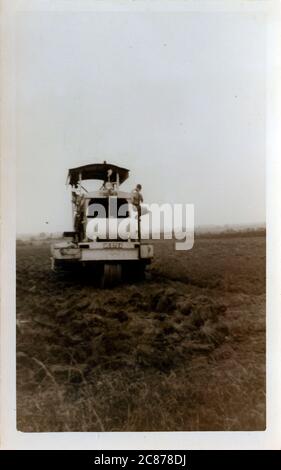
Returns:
(97, 171)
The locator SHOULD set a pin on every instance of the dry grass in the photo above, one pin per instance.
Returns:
(183, 351)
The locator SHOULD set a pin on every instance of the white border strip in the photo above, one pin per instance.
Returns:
(12, 439)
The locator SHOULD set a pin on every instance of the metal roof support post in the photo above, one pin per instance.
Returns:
(80, 181)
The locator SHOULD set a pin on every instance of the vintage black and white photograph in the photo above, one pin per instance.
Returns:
(141, 229)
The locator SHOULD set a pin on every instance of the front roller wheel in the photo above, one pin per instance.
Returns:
(111, 275)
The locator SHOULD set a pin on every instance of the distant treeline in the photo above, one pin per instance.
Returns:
(228, 233)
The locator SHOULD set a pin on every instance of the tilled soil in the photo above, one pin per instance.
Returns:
(182, 350)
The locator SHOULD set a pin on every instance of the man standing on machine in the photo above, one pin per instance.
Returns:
(137, 199)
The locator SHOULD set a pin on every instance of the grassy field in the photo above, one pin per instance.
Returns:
(181, 351)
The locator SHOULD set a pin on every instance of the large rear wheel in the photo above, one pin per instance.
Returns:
(111, 274)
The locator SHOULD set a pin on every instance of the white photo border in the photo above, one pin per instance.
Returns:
(10, 438)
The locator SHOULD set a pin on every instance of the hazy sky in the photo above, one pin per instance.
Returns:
(178, 98)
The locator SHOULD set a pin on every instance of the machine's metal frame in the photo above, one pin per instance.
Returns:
(109, 255)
